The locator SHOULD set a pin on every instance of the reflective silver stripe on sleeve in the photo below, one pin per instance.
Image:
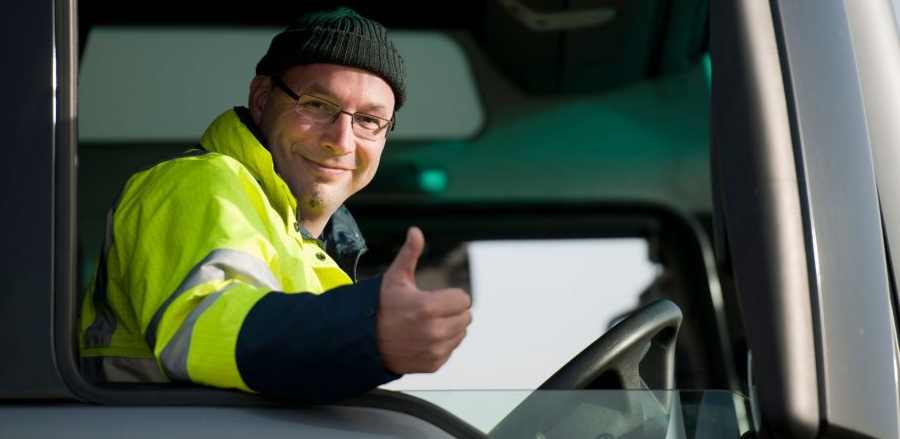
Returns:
(175, 355)
(220, 264)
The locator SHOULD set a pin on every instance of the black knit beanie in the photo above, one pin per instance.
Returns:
(339, 36)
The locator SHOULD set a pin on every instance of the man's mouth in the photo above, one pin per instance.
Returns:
(328, 169)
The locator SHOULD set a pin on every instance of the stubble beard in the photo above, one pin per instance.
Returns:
(315, 200)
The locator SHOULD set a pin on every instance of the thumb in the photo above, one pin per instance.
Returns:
(408, 256)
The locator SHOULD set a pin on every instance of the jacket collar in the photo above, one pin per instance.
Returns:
(229, 135)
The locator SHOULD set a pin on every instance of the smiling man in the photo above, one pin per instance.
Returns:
(233, 265)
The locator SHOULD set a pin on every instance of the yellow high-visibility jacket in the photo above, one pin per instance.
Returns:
(206, 275)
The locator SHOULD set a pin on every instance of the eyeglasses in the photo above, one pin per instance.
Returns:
(325, 112)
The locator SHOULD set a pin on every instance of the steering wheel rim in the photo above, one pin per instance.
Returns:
(621, 350)
(613, 361)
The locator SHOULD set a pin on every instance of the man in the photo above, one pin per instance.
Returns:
(214, 268)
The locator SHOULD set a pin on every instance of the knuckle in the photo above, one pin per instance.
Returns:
(434, 332)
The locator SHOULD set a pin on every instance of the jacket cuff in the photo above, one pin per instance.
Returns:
(319, 348)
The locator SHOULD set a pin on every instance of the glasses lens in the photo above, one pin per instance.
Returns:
(317, 109)
(370, 127)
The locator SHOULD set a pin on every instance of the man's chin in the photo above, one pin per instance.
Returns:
(318, 205)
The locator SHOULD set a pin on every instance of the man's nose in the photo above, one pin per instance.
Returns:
(339, 136)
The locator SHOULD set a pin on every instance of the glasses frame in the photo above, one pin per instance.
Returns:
(276, 79)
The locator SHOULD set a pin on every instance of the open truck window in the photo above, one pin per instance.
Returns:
(594, 183)
(547, 277)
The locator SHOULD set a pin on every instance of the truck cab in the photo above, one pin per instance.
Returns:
(674, 217)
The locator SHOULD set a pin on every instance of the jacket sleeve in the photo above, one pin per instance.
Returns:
(319, 348)
(203, 249)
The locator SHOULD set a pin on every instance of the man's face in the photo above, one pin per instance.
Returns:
(322, 163)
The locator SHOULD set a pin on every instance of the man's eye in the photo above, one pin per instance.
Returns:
(369, 122)
(315, 105)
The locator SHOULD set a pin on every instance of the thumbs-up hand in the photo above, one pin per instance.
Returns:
(418, 330)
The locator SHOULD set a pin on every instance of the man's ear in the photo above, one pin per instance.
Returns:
(259, 95)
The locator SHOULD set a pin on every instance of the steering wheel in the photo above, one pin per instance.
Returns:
(638, 353)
